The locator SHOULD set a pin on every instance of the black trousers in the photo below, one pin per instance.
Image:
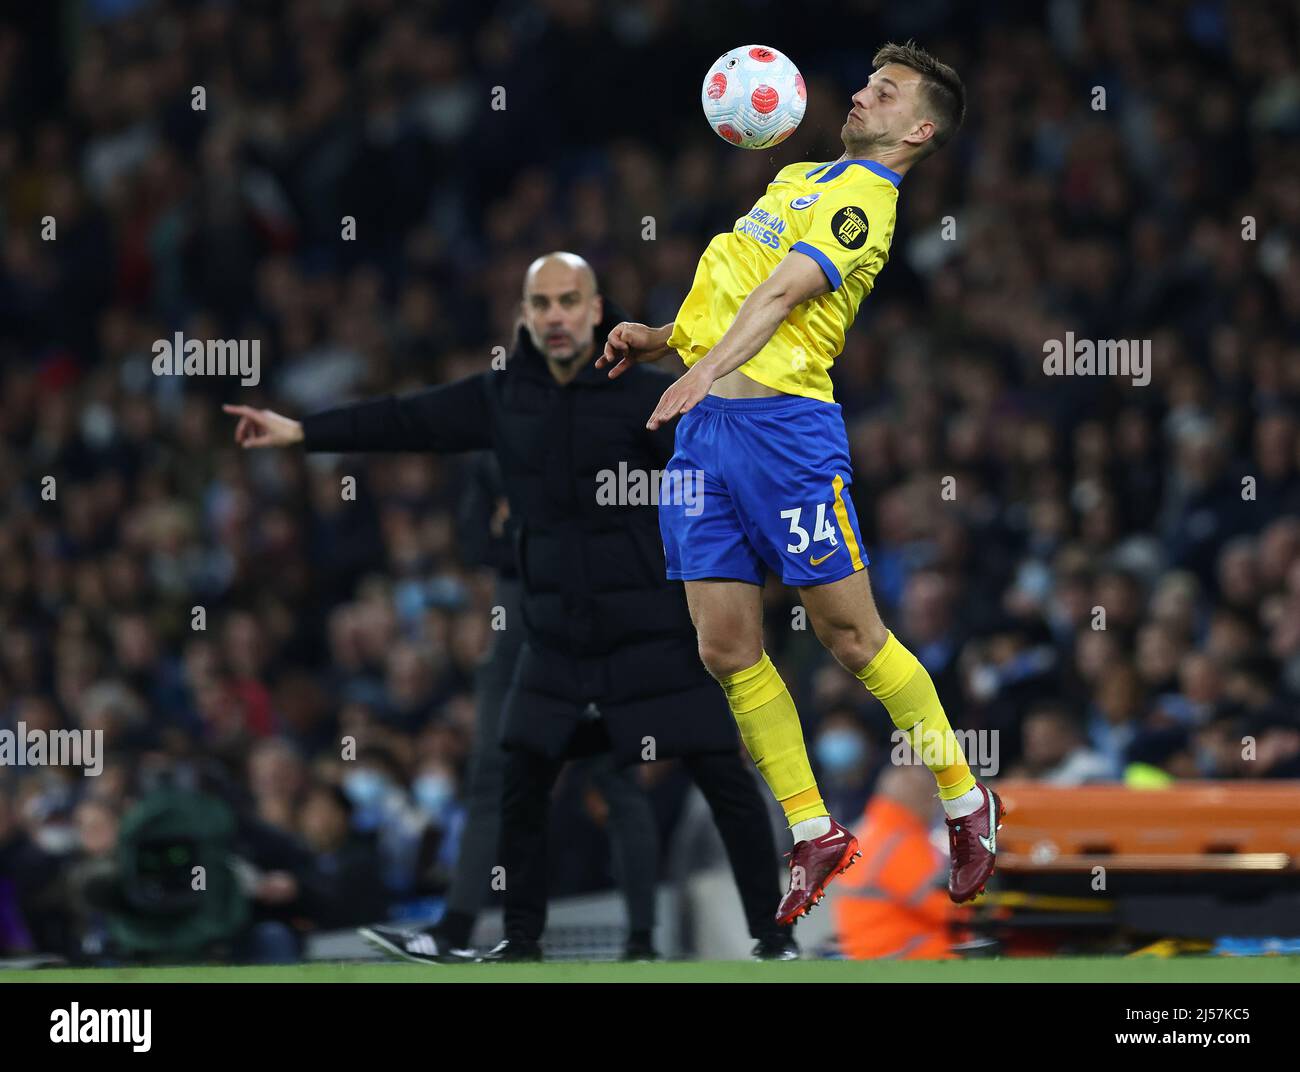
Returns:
(634, 837)
(733, 797)
(478, 840)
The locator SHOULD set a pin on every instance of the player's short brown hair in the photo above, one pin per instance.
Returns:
(942, 93)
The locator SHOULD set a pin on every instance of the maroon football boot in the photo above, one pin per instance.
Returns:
(973, 847)
(812, 866)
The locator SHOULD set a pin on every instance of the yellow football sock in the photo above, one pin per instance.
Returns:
(769, 726)
(897, 679)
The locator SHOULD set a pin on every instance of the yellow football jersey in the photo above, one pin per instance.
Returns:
(840, 214)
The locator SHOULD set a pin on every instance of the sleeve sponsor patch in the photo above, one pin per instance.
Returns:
(849, 226)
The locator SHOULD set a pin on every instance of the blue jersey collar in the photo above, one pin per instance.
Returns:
(837, 168)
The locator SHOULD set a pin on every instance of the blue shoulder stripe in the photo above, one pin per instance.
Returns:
(824, 262)
(838, 168)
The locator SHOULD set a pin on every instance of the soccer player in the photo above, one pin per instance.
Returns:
(763, 322)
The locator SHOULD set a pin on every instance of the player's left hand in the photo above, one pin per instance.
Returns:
(682, 396)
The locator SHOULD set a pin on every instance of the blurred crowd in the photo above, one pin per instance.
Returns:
(1106, 574)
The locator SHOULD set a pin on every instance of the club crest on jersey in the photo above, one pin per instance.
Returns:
(805, 201)
(849, 226)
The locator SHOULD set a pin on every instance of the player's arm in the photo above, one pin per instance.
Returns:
(448, 418)
(795, 280)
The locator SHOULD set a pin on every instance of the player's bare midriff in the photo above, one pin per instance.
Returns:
(735, 384)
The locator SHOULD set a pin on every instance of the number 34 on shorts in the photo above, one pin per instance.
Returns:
(822, 531)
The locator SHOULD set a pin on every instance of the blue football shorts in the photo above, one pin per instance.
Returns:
(759, 484)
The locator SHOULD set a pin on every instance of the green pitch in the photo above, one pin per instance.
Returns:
(1045, 970)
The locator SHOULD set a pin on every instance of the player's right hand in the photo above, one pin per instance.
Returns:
(628, 344)
(264, 427)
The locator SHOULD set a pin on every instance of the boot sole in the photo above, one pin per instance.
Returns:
(851, 854)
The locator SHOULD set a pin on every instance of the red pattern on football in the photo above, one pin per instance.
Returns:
(752, 96)
(764, 99)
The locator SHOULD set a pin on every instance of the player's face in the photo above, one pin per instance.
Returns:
(561, 312)
(884, 110)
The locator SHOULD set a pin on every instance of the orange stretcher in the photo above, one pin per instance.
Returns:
(1199, 827)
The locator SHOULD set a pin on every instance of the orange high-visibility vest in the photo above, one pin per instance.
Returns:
(889, 905)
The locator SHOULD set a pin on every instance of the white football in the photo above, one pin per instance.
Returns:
(754, 97)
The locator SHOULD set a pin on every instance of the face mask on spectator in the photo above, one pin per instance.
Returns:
(54, 798)
(367, 790)
(839, 750)
(57, 839)
(433, 792)
(98, 425)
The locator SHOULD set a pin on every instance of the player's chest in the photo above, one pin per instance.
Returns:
(780, 218)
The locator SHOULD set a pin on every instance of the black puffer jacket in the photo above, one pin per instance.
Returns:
(603, 623)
